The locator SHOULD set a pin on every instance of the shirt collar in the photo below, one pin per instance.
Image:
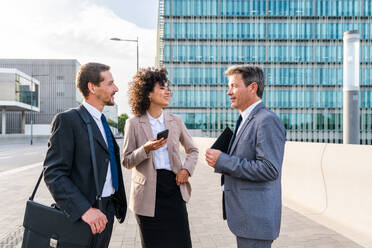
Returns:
(154, 120)
(248, 110)
(92, 110)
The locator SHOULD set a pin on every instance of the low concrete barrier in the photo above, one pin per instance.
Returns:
(331, 184)
(328, 183)
(9, 139)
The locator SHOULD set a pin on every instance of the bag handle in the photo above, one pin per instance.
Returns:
(88, 122)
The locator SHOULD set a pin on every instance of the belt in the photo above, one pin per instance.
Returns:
(107, 198)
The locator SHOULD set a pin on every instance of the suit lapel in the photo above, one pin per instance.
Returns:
(146, 127)
(168, 120)
(96, 132)
(245, 124)
(147, 130)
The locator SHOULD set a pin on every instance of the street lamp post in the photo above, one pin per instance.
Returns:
(351, 88)
(118, 39)
(32, 91)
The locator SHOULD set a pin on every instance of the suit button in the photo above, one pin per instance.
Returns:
(106, 160)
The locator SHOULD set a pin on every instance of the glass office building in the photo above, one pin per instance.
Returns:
(299, 45)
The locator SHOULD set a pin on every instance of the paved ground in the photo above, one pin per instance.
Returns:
(207, 227)
(18, 155)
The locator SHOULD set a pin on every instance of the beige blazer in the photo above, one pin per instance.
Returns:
(143, 186)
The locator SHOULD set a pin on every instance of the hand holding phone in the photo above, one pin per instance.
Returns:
(162, 134)
(154, 144)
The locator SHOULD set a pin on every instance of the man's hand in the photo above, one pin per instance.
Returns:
(154, 144)
(182, 176)
(95, 219)
(211, 156)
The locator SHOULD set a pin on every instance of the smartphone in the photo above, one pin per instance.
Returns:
(162, 134)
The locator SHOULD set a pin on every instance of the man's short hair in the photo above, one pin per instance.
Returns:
(89, 72)
(249, 74)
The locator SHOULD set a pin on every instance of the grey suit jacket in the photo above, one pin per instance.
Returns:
(253, 176)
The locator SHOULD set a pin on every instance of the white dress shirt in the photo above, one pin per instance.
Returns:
(108, 189)
(246, 113)
(161, 155)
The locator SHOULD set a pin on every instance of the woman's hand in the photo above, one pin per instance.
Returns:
(182, 177)
(154, 144)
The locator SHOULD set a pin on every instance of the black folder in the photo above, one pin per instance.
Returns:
(223, 141)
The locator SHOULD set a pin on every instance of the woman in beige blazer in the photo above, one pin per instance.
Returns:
(160, 184)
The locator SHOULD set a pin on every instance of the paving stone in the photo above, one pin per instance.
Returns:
(208, 230)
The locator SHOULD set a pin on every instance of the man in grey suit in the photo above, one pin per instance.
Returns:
(251, 170)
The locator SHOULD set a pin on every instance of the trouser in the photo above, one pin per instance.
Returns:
(102, 239)
(253, 243)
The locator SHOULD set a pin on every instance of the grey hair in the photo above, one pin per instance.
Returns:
(249, 74)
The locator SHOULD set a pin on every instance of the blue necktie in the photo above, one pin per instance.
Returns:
(110, 144)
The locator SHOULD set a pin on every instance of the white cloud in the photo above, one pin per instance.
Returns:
(70, 29)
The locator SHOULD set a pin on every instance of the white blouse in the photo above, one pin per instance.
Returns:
(161, 155)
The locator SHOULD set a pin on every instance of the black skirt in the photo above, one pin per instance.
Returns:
(169, 228)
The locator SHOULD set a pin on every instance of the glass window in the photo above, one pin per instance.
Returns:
(167, 33)
(167, 7)
(367, 10)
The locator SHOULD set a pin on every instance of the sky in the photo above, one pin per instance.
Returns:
(81, 29)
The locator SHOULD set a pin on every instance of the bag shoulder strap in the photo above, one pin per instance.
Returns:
(88, 122)
(37, 185)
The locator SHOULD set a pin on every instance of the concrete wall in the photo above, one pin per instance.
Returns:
(331, 184)
(328, 183)
(11, 139)
(38, 129)
(7, 91)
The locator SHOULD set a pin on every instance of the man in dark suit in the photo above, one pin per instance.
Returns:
(251, 169)
(69, 171)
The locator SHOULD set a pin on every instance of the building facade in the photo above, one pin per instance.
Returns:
(299, 45)
(57, 91)
(18, 92)
(56, 79)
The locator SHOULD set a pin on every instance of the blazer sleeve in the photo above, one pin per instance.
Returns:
(58, 165)
(190, 149)
(132, 155)
(269, 155)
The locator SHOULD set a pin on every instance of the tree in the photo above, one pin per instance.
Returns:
(121, 122)
(112, 123)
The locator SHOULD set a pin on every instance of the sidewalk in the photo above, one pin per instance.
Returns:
(208, 230)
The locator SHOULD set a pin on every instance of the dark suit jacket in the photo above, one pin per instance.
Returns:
(253, 176)
(69, 171)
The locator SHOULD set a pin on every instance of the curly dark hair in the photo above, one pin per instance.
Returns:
(143, 83)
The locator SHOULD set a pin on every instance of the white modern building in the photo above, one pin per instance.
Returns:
(19, 93)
